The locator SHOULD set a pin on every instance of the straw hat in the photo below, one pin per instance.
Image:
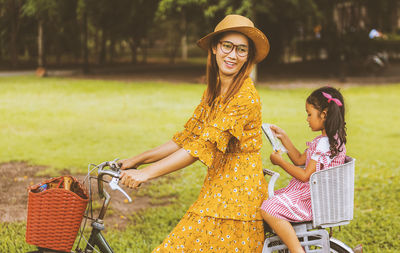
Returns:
(237, 23)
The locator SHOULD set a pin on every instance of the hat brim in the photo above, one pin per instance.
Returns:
(259, 39)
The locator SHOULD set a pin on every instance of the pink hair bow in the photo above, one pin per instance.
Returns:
(330, 98)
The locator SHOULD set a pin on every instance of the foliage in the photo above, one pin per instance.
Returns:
(66, 124)
(137, 24)
(60, 23)
(178, 19)
(41, 9)
(140, 22)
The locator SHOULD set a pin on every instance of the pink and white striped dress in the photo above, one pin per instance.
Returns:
(293, 203)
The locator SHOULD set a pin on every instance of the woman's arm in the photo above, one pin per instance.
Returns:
(175, 161)
(296, 172)
(294, 154)
(150, 156)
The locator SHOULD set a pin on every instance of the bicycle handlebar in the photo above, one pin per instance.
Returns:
(114, 173)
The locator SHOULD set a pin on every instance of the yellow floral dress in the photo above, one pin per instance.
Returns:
(227, 138)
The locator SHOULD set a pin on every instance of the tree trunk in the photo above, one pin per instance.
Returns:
(395, 16)
(85, 67)
(184, 47)
(133, 46)
(14, 9)
(173, 53)
(102, 56)
(144, 51)
(40, 44)
(58, 57)
(184, 39)
(13, 47)
(97, 44)
(112, 49)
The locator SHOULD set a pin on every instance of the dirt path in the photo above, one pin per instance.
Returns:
(15, 178)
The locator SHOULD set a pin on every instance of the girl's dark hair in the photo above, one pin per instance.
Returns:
(213, 82)
(335, 124)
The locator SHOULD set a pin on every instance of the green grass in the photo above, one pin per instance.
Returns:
(66, 124)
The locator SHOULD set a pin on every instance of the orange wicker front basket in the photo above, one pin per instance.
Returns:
(55, 215)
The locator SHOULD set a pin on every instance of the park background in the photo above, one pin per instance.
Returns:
(120, 77)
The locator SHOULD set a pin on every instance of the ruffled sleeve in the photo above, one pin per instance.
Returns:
(189, 140)
(194, 126)
(322, 153)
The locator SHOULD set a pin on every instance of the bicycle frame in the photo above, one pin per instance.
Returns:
(96, 237)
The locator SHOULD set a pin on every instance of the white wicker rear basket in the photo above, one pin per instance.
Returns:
(332, 195)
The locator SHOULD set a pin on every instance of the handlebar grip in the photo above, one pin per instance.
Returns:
(101, 173)
(100, 179)
(114, 173)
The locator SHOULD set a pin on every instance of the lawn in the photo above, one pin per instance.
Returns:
(66, 124)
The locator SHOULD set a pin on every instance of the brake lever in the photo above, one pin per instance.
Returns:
(114, 186)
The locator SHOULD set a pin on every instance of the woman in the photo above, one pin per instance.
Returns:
(225, 134)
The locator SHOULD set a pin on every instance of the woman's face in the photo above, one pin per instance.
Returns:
(231, 53)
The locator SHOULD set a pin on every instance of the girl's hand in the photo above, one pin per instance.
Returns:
(276, 158)
(133, 178)
(279, 132)
(127, 164)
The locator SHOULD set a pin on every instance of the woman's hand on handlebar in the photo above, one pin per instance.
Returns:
(133, 178)
(127, 164)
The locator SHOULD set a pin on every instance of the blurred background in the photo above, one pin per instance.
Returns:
(333, 38)
(137, 51)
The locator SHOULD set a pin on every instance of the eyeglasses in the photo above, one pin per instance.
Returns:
(227, 47)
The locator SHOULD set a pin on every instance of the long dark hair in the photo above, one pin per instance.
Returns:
(213, 82)
(335, 124)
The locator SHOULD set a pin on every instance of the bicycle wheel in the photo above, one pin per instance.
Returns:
(338, 246)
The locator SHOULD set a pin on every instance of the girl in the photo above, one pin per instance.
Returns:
(225, 134)
(325, 113)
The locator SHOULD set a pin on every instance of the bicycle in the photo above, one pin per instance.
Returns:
(332, 198)
(96, 238)
(312, 235)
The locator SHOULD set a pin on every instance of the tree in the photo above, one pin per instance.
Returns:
(100, 16)
(176, 16)
(11, 17)
(44, 11)
(82, 10)
(140, 20)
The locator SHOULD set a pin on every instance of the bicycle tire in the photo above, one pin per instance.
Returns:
(338, 246)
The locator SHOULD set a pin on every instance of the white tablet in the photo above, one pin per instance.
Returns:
(275, 142)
